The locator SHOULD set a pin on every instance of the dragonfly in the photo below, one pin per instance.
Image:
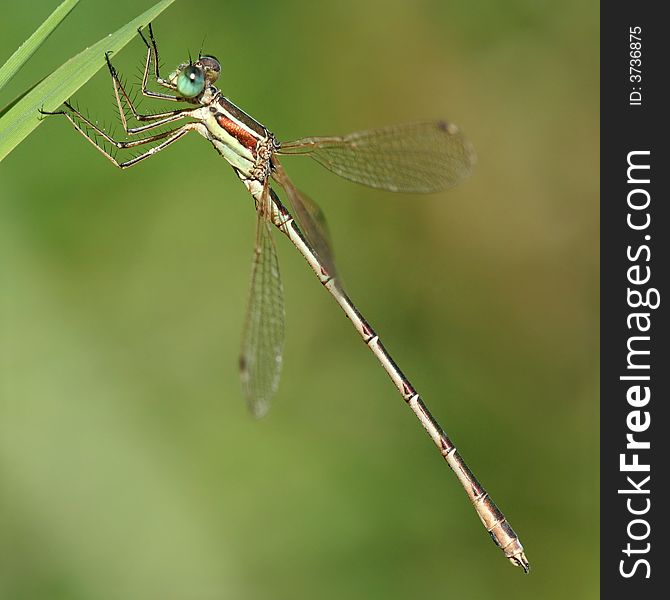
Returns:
(418, 157)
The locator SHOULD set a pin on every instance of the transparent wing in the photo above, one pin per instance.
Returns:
(310, 218)
(263, 338)
(415, 157)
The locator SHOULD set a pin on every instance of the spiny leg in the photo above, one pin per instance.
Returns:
(152, 49)
(120, 92)
(101, 132)
(169, 137)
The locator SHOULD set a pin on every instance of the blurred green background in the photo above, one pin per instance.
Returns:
(129, 466)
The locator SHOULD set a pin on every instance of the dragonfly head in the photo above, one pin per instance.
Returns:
(211, 66)
(191, 79)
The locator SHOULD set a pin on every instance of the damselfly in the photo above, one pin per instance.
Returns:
(417, 157)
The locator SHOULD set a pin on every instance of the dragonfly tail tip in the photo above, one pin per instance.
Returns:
(520, 560)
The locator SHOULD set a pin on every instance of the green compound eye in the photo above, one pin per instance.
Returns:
(191, 82)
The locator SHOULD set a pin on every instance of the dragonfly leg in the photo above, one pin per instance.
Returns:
(84, 126)
(75, 117)
(152, 52)
(122, 98)
(173, 134)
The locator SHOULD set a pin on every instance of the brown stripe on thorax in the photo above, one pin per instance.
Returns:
(237, 113)
(239, 133)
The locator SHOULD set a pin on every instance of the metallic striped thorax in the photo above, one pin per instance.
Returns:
(239, 138)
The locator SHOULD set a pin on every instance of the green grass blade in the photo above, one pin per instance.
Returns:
(23, 117)
(18, 98)
(27, 49)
